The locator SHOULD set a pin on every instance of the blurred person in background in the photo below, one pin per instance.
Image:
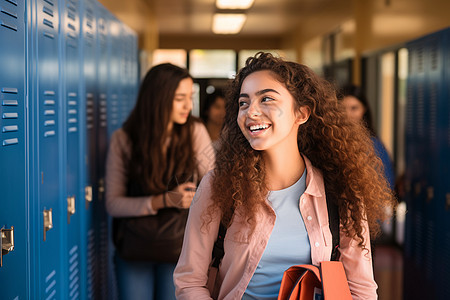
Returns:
(214, 115)
(153, 166)
(355, 102)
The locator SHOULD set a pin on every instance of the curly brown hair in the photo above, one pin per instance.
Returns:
(341, 149)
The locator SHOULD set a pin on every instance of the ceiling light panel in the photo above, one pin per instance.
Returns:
(228, 23)
(234, 4)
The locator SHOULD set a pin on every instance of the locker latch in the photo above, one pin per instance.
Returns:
(6, 242)
(70, 207)
(48, 221)
(101, 188)
(430, 193)
(88, 195)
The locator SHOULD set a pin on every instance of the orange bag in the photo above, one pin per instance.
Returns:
(300, 282)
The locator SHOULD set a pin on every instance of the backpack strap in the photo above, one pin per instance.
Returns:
(218, 250)
(334, 221)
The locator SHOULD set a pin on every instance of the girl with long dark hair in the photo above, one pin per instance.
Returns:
(153, 165)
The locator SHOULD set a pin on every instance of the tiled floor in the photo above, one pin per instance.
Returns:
(388, 269)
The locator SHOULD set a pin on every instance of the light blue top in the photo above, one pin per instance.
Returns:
(288, 244)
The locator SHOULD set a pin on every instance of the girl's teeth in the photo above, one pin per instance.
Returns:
(258, 127)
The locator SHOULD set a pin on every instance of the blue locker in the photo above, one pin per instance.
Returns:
(443, 170)
(46, 207)
(427, 244)
(415, 154)
(72, 194)
(102, 226)
(88, 146)
(14, 274)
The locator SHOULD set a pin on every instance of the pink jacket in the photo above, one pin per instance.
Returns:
(243, 252)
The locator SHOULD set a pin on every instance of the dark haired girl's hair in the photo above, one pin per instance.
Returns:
(150, 166)
(340, 149)
(358, 93)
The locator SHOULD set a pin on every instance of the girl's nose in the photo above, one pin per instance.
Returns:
(253, 110)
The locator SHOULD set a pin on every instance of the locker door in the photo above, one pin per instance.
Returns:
(70, 29)
(14, 275)
(88, 161)
(443, 171)
(415, 134)
(46, 204)
(102, 146)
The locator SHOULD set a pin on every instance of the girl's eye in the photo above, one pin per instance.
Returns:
(242, 103)
(266, 99)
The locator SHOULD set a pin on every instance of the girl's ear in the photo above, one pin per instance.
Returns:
(303, 114)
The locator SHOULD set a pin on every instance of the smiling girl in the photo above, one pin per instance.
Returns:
(287, 149)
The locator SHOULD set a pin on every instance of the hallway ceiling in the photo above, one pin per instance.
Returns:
(265, 17)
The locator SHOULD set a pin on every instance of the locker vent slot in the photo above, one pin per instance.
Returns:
(103, 110)
(11, 14)
(12, 2)
(103, 252)
(420, 62)
(418, 243)
(50, 282)
(74, 273)
(49, 113)
(429, 250)
(71, 15)
(114, 110)
(72, 112)
(10, 115)
(10, 103)
(49, 133)
(49, 2)
(48, 11)
(49, 35)
(9, 142)
(10, 128)
(433, 113)
(49, 93)
(421, 110)
(48, 23)
(89, 111)
(91, 267)
(10, 90)
(9, 26)
(434, 55)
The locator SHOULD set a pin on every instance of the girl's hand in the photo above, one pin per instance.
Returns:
(181, 196)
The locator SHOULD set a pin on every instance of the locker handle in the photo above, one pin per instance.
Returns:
(48, 221)
(6, 242)
(70, 207)
(88, 195)
(101, 189)
(430, 193)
